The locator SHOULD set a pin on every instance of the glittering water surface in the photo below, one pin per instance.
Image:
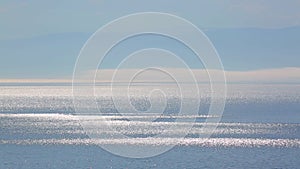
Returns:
(260, 128)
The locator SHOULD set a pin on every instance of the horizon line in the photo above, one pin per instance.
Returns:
(286, 75)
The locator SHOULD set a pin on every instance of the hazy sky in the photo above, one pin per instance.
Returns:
(33, 17)
(43, 38)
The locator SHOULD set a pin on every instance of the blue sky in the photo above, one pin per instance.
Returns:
(32, 17)
(43, 38)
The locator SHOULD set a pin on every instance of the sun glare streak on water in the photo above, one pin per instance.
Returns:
(43, 115)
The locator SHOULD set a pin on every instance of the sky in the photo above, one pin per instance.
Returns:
(42, 39)
(33, 18)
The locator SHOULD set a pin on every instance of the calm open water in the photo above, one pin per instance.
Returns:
(260, 128)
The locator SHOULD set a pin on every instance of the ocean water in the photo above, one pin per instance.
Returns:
(260, 128)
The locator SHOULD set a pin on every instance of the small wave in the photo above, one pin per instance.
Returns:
(61, 124)
(35, 115)
(107, 116)
(201, 142)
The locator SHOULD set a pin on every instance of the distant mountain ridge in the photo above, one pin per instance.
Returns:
(54, 55)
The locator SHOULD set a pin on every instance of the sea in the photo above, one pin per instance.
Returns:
(40, 128)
